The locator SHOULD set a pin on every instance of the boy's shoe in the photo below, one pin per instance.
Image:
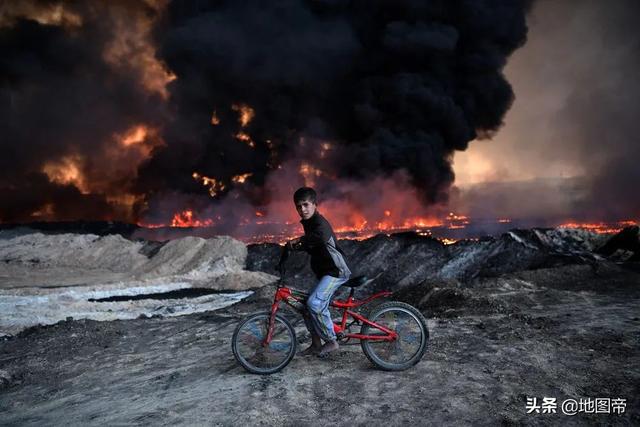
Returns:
(327, 348)
(310, 351)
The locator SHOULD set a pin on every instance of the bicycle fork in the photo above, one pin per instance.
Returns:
(271, 325)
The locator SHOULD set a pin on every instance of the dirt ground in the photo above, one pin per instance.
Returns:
(567, 332)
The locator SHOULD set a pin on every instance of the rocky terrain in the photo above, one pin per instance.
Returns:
(531, 313)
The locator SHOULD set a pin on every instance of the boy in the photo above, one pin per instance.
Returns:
(328, 264)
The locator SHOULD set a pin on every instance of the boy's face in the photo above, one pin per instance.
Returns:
(305, 208)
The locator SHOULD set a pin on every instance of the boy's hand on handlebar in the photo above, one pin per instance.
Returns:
(291, 244)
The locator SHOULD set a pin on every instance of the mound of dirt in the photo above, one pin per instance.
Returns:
(407, 259)
(113, 258)
(47, 278)
(86, 251)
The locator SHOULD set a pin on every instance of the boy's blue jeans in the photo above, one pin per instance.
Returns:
(318, 319)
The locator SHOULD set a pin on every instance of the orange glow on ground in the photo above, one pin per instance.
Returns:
(186, 219)
(599, 227)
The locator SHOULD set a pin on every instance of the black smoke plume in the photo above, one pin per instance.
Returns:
(570, 145)
(387, 86)
(66, 90)
(394, 84)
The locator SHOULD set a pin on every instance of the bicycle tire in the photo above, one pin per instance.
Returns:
(242, 358)
(371, 348)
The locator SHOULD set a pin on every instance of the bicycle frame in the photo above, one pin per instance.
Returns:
(296, 299)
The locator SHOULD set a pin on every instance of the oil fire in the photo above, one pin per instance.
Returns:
(244, 137)
(214, 186)
(599, 227)
(246, 113)
(134, 136)
(186, 219)
(132, 47)
(309, 173)
(240, 179)
(67, 170)
(215, 120)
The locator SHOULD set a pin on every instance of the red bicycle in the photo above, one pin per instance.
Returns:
(393, 335)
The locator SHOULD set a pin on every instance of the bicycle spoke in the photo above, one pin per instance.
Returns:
(408, 341)
(250, 346)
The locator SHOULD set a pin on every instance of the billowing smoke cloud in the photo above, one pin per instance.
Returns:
(391, 85)
(274, 92)
(600, 118)
(76, 80)
(571, 138)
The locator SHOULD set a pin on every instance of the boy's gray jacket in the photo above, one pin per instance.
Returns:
(327, 259)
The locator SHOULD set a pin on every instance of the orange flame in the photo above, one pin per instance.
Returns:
(447, 241)
(599, 227)
(240, 179)
(214, 186)
(186, 219)
(135, 135)
(241, 136)
(309, 173)
(132, 47)
(246, 113)
(67, 170)
(215, 120)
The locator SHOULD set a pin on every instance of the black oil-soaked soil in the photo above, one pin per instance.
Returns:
(563, 332)
(175, 294)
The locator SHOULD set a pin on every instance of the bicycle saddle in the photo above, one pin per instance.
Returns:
(354, 282)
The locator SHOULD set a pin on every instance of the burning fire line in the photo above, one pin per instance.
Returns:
(186, 219)
(600, 227)
(362, 229)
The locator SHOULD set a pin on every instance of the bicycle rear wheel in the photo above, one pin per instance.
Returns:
(408, 348)
(248, 350)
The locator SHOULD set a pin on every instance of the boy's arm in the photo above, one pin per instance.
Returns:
(313, 239)
(308, 241)
(291, 245)
(296, 244)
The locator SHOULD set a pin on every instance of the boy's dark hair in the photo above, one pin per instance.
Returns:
(305, 193)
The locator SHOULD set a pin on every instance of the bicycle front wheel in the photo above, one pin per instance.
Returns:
(408, 348)
(249, 351)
